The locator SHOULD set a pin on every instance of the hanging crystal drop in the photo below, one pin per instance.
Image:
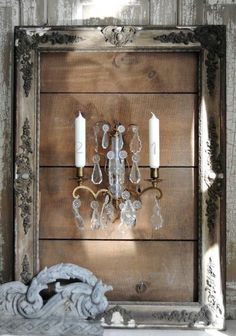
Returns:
(78, 218)
(96, 177)
(135, 175)
(121, 130)
(105, 137)
(109, 208)
(106, 212)
(96, 131)
(122, 225)
(128, 213)
(95, 219)
(111, 156)
(123, 156)
(135, 143)
(156, 218)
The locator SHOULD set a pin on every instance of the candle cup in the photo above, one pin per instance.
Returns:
(80, 174)
(154, 173)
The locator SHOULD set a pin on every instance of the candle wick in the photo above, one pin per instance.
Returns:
(153, 114)
(79, 114)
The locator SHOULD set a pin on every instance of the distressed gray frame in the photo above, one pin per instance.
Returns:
(209, 42)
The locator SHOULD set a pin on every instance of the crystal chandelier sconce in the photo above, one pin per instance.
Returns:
(118, 200)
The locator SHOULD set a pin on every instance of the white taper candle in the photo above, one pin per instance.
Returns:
(154, 142)
(80, 141)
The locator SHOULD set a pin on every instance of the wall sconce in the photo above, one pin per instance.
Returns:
(119, 200)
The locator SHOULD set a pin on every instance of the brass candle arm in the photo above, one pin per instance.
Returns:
(154, 179)
(80, 179)
(95, 195)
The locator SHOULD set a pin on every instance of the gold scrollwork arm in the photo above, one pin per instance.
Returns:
(158, 190)
(75, 193)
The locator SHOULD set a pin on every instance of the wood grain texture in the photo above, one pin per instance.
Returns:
(168, 275)
(191, 12)
(118, 72)
(176, 112)
(178, 187)
(163, 12)
(90, 12)
(9, 16)
(33, 12)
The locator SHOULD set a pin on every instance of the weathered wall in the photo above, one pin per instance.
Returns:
(143, 12)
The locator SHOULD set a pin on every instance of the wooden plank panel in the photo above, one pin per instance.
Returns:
(92, 12)
(118, 72)
(9, 17)
(167, 268)
(163, 12)
(191, 12)
(177, 115)
(33, 12)
(57, 220)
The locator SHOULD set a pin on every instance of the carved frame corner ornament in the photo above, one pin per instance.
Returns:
(26, 43)
(24, 175)
(119, 36)
(211, 38)
(208, 313)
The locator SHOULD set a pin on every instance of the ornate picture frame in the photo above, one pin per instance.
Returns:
(209, 42)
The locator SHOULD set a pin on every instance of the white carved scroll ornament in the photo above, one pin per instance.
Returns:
(84, 299)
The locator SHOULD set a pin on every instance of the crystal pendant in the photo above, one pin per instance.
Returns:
(78, 218)
(123, 156)
(96, 177)
(156, 218)
(128, 214)
(106, 212)
(121, 130)
(122, 225)
(135, 143)
(105, 137)
(109, 211)
(96, 131)
(95, 219)
(111, 156)
(135, 175)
